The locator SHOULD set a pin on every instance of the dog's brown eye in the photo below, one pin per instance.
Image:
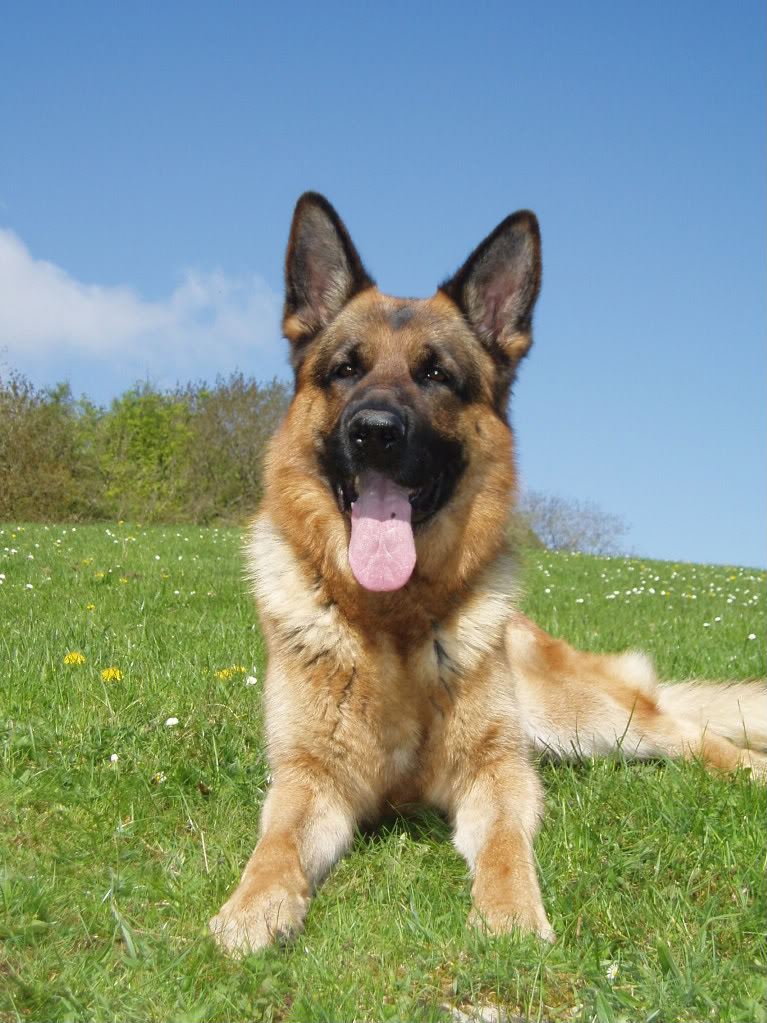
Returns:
(437, 374)
(346, 369)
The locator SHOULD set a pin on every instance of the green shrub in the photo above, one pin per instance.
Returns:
(190, 455)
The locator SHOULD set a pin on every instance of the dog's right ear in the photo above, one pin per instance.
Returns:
(323, 271)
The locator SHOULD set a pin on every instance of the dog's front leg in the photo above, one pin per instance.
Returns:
(496, 816)
(304, 830)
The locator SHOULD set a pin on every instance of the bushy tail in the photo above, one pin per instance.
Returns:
(735, 710)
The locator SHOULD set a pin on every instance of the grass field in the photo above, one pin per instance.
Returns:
(133, 771)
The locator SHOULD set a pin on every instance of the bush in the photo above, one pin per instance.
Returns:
(46, 471)
(190, 455)
(142, 446)
(230, 426)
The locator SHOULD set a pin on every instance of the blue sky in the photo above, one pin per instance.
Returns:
(151, 154)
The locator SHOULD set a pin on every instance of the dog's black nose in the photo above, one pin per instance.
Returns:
(377, 434)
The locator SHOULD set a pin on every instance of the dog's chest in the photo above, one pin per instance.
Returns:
(378, 689)
(398, 699)
(406, 702)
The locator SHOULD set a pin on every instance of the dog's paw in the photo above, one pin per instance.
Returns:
(248, 923)
(501, 919)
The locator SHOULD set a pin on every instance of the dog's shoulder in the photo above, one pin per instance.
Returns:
(298, 616)
(478, 626)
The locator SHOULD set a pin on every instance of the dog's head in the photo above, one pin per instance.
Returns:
(406, 400)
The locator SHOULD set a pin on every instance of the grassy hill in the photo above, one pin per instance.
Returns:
(132, 773)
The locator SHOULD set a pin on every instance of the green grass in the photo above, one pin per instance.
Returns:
(653, 875)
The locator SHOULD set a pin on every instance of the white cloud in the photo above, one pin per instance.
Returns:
(208, 320)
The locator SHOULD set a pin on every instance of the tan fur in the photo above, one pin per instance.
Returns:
(437, 692)
(580, 704)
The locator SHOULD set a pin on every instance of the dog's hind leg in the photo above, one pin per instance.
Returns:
(304, 830)
(575, 703)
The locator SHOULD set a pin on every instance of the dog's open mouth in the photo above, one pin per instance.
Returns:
(424, 500)
(382, 548)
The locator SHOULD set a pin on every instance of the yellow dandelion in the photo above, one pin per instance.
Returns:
(74, 657)
(99, 575)
(111, 674)
(233, 669)
(123, 579)
(90, 607)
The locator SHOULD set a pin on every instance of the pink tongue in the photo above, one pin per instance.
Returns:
(381, 551)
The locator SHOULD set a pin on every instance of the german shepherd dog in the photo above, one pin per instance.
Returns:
(400, 670)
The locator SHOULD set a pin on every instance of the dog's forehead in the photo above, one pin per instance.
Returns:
(375, 315)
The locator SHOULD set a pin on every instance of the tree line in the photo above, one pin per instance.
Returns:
(192, 454)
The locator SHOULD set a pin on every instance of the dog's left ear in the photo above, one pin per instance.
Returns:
(496, 289)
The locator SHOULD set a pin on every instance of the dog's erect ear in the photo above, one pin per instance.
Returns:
(496, 289)
(322, 270)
